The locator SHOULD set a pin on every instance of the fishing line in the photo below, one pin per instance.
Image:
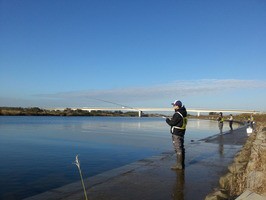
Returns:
(114, 103)
(124, 106)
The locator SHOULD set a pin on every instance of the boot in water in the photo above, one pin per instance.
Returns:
(180, 162)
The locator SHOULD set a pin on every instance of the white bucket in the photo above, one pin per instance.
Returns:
(249, 130)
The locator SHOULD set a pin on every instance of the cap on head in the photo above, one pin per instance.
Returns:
(177, 103)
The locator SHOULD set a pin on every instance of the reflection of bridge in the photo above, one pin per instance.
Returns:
(141, 110)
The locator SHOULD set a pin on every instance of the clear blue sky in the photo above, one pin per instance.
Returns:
(141, 53)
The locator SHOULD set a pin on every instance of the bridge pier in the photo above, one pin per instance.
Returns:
(198, 114)
(140, 113)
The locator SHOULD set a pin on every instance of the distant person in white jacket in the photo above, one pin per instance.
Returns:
(231, 121)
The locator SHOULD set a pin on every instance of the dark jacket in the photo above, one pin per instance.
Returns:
(177, 120)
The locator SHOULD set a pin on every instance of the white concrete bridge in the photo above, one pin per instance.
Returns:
(170, 109)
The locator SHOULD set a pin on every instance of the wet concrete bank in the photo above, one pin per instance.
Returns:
(152, 178)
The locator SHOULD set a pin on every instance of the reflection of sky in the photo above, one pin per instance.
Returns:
(199, 129)
(41, 147)
(137, 132)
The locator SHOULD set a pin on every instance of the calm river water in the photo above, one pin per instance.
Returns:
(37, 153)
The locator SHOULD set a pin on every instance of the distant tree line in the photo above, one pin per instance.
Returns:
(35, 111)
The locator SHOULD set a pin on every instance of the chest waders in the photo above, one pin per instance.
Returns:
(221, 124)
(178, 142)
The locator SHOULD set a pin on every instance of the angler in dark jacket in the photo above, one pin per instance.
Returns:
(178, 128)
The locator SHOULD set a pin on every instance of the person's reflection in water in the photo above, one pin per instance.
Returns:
(178, 187)
(221, 145)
